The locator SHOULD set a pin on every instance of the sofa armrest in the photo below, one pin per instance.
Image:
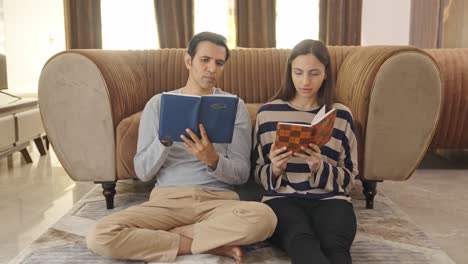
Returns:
(395, 95)
(83, 95)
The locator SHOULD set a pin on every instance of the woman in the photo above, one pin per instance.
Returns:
(308, 190)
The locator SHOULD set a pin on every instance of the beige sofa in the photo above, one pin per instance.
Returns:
(91, 100)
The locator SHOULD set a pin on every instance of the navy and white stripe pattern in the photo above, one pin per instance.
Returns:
(339, 156)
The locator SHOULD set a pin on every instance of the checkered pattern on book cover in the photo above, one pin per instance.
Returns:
(293, 136)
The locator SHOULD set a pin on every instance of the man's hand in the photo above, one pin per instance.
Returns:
(201, 148)
(312, 156)
(279, 159)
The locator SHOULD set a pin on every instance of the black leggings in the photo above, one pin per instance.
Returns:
(314, 231)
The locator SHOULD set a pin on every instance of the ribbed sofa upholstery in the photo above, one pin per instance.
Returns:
(452, 131)
(91, 101)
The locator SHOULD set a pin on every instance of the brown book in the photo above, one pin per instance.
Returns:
(319, 132)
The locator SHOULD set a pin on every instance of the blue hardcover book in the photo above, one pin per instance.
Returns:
(217, 113)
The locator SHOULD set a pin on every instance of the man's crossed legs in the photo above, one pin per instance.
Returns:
(182, 220)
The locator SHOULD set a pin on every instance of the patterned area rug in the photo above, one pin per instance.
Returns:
(385, 235)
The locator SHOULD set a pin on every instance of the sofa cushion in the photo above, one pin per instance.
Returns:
(253, 108)
(126, 144)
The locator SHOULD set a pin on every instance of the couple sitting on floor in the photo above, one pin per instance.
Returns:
(306, 208)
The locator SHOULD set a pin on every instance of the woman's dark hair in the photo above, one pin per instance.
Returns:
(207, 36)
(320, 51)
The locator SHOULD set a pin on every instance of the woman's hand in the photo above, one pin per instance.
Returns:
(311, 156)
(279, 159)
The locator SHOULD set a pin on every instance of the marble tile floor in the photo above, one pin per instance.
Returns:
(34, 196)
(436, 198)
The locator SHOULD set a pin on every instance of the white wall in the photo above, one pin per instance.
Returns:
(34, 31)
(385, 22)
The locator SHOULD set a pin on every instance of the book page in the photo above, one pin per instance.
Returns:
(179, 94)
(295, 124)
(220, 95)
(321, 115)
(318, 116)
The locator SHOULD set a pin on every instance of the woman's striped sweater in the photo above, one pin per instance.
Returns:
(339, 156)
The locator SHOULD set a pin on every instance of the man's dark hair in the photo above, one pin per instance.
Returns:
(207, 36)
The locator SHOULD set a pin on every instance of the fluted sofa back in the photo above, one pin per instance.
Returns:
(133, 77)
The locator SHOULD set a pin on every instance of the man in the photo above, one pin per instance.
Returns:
(192, 208)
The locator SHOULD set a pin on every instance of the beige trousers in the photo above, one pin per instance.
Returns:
(219, 218)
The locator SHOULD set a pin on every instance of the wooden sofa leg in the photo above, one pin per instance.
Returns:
(108, 190)
(369, 191)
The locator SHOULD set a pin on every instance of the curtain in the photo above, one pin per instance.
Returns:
(83, 24)
(256, 23)
(340, 22)
(452, 25)
(424, 24)
(175, 22)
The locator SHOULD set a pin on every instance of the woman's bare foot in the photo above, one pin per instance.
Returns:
(234, 252)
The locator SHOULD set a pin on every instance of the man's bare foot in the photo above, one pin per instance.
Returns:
(234, 252)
